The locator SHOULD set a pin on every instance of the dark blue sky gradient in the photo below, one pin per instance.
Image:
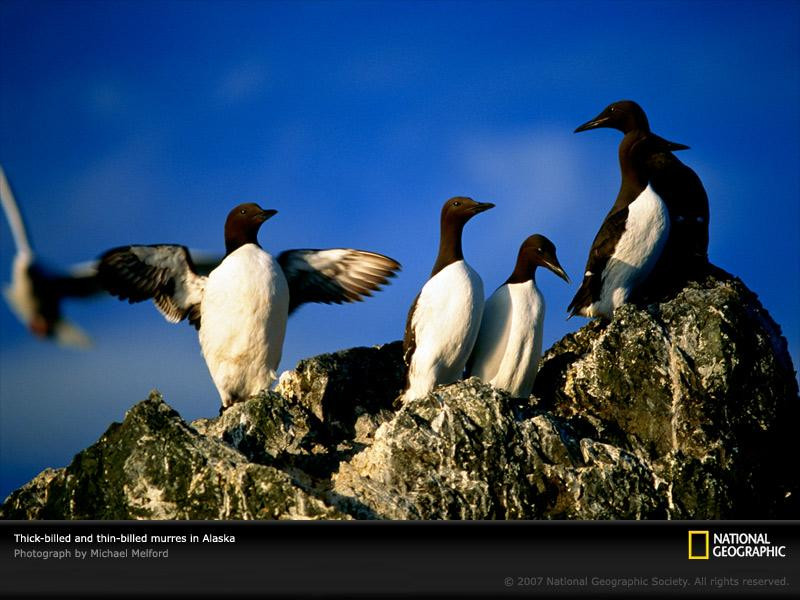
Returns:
(145, 122)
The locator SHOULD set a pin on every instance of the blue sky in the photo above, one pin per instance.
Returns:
(145, 122)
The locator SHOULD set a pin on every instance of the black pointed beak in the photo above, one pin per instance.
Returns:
(593, 124)
(481, 207)
(556, 268)
(268, 214)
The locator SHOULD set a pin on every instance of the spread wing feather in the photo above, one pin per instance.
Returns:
(14, 216)
(335, 275)
(79, 283)
(165, 273)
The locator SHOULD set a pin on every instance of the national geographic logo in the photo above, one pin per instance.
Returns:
(703, 545)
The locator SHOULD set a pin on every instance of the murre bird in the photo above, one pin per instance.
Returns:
(647, 159)
(240, 309)
(685, 255)
(509, 345)
(633, 235)
(445, 316)
(35, 292)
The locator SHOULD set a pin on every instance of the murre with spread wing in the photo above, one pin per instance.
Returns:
(240, 309)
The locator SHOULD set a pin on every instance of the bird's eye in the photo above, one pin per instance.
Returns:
(456, 203)
(243, 211)
(613, 109)
(539, 250)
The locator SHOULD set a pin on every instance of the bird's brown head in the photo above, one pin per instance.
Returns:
(536, 251)
(243, 223)
(459, 209)
(623, 115)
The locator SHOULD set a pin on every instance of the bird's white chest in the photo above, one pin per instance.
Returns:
(446, 320)
(243, 321)
(509, 344)
(638, 249)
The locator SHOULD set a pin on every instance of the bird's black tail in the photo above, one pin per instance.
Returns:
(582, 299)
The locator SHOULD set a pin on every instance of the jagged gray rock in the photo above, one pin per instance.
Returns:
(681, 409)
(350, 391)
(154, 466)
(678, 409)
(468, 451)
(700, 388)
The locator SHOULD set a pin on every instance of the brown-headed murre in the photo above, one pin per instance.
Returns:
(240, 309)
(635, 251)
(35, 293)
(685, 255)
(445, 317)
(509, 345)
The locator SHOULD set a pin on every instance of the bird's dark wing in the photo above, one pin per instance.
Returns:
(78, 287)
(409, 337)
(602, 248)
(409, 344)
(80, 282)
(335, 275)
(163, 272)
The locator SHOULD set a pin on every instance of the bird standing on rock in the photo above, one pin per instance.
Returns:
(685, 256)
(509, 344)
(240, 309)
(445, 317)
(638, 247)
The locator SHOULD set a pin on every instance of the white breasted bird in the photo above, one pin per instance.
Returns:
(445, 317)
(509, 344)
(240, 309)
(636, 229)
(36, 292)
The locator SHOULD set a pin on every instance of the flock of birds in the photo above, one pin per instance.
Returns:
(653, 240)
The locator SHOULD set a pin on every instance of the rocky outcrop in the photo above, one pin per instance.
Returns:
(155, 466)
(700, 388)
(679, 409)
(468, 451)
